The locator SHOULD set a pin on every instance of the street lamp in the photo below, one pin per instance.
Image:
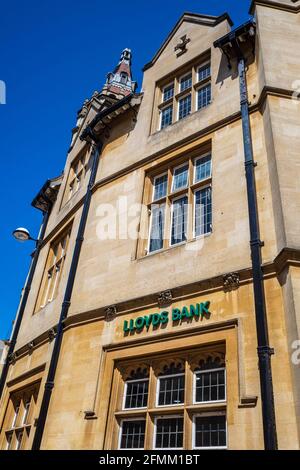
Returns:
(22, 235)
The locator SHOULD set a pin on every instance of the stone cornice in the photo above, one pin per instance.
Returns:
(292, 8)
(287, 257)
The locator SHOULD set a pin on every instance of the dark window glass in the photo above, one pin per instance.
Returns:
(169, 433)
(166, 117)
(160, 187)
(186, 82)
(210, 431)
(204, 96)
(185, 106)
(168, 92)
(136, 394)
(203, 168)
(171, 390)
(210, 386)
(133, 434)
(204, 72)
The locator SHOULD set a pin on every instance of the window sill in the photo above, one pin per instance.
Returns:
(181, 120)
(131, 413)
(209, 406)
(173, 247)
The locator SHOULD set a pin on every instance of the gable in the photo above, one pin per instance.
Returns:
(180, 27)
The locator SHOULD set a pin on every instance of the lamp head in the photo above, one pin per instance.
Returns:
(21, 234)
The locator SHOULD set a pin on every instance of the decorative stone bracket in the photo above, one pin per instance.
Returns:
(165, 298)
(110, 313)
(231, 281)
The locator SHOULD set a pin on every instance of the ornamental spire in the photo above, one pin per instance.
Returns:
(119, 82)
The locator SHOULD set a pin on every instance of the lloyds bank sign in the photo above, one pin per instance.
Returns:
(176, 315)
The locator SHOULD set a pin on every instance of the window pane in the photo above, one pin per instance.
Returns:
(171, 390)
(169, 433)
(180, 178)
(203, 168)
(204, 72)
(133, 434)
(8, 440)
(136, 394)
(166, 117)
(203, 212)
(210, 386)
(26, 412)
(157, 227)
(160, 187)
(185, 106)
(168, 92)
(186, 82)
(19, 440)
(14, 421)
(210, 431)
(179, 220)
(204, 96)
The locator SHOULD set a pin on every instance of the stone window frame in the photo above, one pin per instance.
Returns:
(55, 263)
(160, 103)
(79, 167)
(14, 424)
(190, 158)
(190, 360)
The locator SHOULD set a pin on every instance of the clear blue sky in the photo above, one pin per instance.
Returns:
(54, 55)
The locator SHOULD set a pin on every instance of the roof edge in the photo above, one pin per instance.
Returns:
(193, 18)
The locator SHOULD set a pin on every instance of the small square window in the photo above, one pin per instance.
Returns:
(132, 434)
(136, 394)
(184, 106)
(169, 433)
(166, 117)
(170, 390)
(210, 432)
(186, 82)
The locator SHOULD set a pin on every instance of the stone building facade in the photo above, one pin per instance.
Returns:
(140, 326)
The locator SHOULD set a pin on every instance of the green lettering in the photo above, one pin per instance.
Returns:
(175, 314)
(164, 317)
(185, 313)
(204, 308)
(148, 320)
(155, 319)
(195, 310)
(140, 323)
(125, 326)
